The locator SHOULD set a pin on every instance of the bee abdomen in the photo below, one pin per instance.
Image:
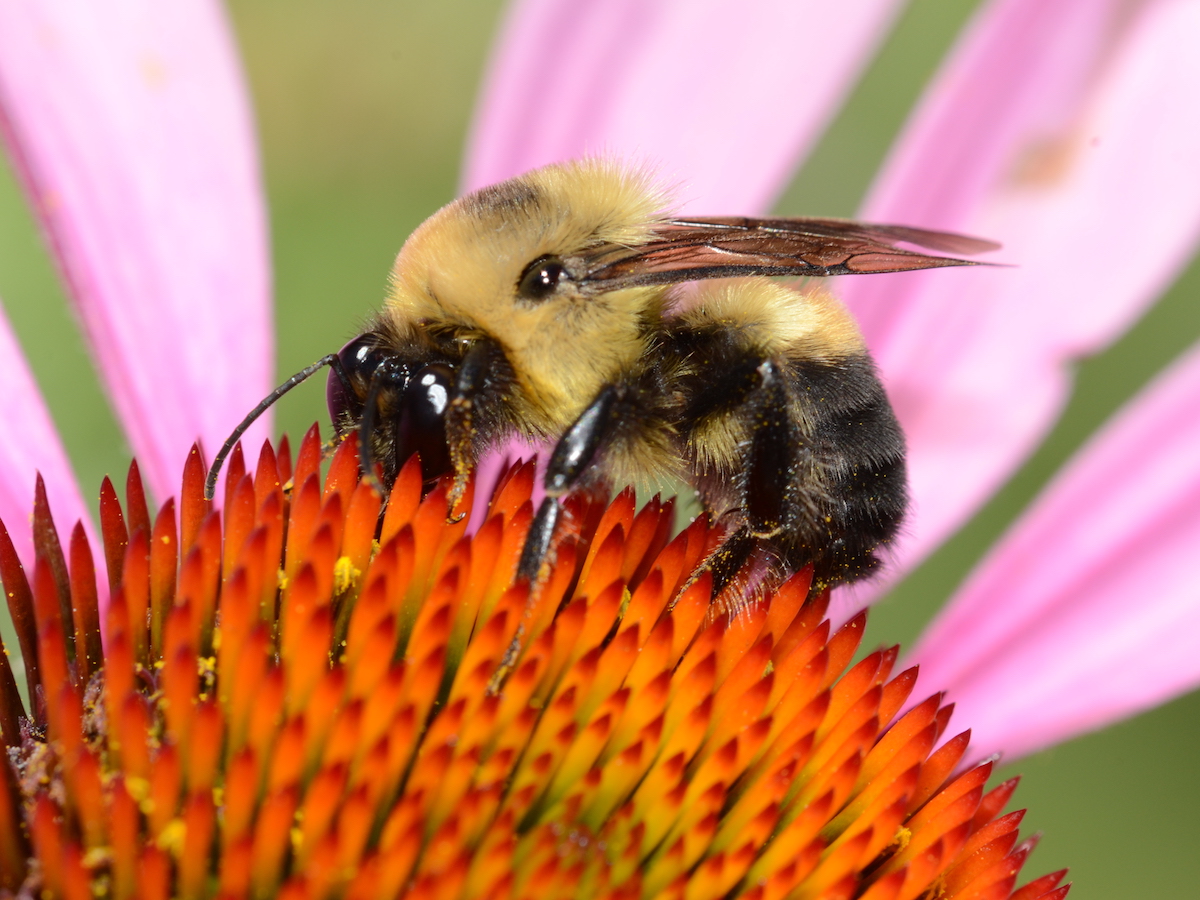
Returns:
(806, 452)
(859, 491)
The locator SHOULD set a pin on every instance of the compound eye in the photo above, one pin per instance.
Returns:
(541, 278)
(359, 358)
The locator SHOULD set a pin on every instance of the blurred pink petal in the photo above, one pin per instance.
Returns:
(1069, 131)
(722, 99)
(1088, 611)
(30, 445)
(129, 127)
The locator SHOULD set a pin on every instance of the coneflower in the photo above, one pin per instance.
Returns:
(316, 694)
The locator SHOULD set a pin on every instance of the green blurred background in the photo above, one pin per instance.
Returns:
(363, 108)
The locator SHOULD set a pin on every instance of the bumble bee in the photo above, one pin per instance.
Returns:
(552, 307)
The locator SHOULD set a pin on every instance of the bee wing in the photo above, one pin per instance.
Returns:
(692, 249)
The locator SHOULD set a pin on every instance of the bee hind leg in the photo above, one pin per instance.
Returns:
(774, 445)
(764, 475)
(729, 559)
(571, 458)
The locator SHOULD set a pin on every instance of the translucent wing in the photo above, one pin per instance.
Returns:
(692, 249)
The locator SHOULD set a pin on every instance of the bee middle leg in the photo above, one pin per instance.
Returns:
(572, 456)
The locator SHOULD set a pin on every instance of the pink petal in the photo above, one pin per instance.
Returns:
(31, 445)
(129, 125)
(722, 100)
(1089, 609)
(1070, 132)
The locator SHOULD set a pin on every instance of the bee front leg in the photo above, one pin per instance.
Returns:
(572, 456)
(461, 427)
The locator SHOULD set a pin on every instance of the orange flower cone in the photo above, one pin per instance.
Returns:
(302, 698)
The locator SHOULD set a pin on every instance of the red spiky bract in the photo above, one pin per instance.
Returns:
(313, 693)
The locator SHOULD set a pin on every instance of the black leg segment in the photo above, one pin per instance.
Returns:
(537, 541)
(386, 380)
(728, 559)
(572, 456)
(577, 448)
(773, 451)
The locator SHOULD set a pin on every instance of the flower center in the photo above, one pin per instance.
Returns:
(311, 696)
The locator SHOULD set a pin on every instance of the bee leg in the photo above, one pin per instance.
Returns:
(728, 559)
(772, 455)
(572, 456)
(537, 541)
(757, 392)
(460, 424)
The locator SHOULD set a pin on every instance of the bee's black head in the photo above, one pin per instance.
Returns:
(397, 404)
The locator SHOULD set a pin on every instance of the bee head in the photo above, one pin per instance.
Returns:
(511, 262)
(398, 405)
